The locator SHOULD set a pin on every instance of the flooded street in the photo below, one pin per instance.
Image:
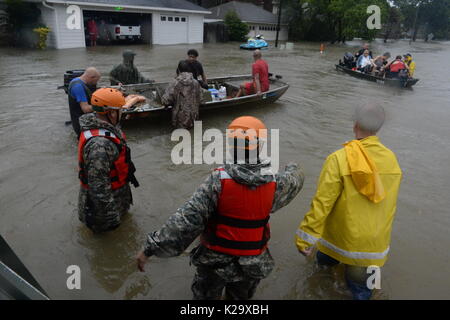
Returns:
(39, 179)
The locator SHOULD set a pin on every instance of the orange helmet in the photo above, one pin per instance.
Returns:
(105, 99)
(249, 129)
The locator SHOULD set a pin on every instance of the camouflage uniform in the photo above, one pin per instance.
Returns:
(184, 96)
(126, 72)
(100, 207)
(240, 275)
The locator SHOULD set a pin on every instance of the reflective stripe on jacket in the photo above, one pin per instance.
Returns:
(344, 223)
(240, 226)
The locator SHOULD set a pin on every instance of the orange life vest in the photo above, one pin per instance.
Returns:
(397, 66)
(240, 227)
(123, 168)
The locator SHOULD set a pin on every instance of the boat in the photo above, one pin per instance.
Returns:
(380, 80)
(16, 281)
(253, 44)
(153, 92)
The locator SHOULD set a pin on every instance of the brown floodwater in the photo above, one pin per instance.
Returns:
(39, 186)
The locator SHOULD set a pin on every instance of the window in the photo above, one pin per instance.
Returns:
(183, 19)
(170, 19)
(163, 18)
(177, 19)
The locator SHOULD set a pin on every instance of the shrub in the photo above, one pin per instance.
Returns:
(237, 29)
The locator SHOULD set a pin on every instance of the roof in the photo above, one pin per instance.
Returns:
(164, 5)
(247, 12)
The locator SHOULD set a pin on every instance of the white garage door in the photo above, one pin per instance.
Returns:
(173, 29)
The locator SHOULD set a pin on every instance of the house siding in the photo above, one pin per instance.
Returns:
(48, 18)
(67, 38)
(196, 29)
(163, 32)
(268, 35)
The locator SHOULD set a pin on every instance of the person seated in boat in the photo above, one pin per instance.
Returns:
(410, 63)
(361, 51)
(260, 73)
(397, 68)
(195, 68)
(126, 72)
(380, 63)
(364, 63)
(184, 95)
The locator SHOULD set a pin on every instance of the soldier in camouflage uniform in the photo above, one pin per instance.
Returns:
(126, 72)
(184, 96)
(238, 274)
(105, 164)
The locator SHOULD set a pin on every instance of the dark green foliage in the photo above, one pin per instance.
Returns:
(237, 29)
(341, 20)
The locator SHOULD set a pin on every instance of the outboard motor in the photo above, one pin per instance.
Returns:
(349, 60)
(69, 76)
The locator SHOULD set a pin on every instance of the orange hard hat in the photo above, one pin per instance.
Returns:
(107, 98)
(247, 128)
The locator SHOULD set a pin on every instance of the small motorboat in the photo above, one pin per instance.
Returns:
(393, 82)
(253, 44)
(153, 92)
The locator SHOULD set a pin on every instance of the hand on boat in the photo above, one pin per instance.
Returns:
(259, 93)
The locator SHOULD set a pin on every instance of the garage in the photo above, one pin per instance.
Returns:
(81, 23)
(118, 27)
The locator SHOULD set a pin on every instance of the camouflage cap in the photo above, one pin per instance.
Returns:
(128, 53)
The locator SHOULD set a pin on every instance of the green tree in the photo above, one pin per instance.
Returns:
(431, 15)
(237, 29)
(22, 18)
(334, 20)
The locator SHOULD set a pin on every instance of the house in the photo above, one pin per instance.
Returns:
(162, 21)
(259, 20)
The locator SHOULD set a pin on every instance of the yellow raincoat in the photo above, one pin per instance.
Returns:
(352, 212)
(412, 66)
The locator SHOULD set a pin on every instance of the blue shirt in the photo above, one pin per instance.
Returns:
(78, 92)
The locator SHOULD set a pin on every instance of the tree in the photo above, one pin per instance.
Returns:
(237, 29)
(433, 15)
(334, 20)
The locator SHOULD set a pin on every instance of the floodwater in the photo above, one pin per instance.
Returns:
(39, 186)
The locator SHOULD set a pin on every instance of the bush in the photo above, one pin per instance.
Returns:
(237, 29)
(42, 32)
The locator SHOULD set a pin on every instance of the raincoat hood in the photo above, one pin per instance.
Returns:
(185, 78)
(90, 121)
(364, 172)
(250, 174)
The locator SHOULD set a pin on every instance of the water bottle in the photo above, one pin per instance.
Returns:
(222, 93)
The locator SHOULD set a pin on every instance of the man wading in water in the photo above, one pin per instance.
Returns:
(105, 164)
(352, 212)
(230, 212)
(79, 94)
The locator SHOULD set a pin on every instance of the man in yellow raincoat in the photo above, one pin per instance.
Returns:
(351, 215)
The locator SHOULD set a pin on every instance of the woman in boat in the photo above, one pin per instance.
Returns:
(364, 63)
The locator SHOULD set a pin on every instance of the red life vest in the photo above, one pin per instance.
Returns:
(397, 66)
(240, 226)
(122, 169)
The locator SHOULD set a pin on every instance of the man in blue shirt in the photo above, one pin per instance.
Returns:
(79, 92)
